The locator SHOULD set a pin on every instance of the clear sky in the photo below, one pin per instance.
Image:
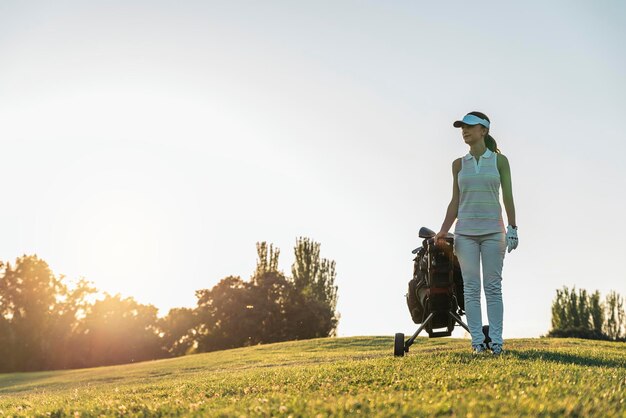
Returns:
(148, 145)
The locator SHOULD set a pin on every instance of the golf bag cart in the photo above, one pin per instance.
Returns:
(435, 297)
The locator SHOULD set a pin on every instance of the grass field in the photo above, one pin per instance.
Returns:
(340, 377)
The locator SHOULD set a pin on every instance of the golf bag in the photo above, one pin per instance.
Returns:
(435, 297)
(437, 282)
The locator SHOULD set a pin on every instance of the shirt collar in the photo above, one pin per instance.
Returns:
(487, 154)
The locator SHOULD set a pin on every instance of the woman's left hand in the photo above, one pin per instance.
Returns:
(511, 238)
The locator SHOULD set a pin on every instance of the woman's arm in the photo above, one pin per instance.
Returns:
(507, 189)
(453, 206)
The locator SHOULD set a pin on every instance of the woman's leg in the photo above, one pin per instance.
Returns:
(492, 251)
(467, 250)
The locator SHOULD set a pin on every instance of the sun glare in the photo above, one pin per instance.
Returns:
(121, 239)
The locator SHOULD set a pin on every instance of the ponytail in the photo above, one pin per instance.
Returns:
(491, 143)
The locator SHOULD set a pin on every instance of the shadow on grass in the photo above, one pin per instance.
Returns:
(20, 382)
(564, 358)
(25, 382)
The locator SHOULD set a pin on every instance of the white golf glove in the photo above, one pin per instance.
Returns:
(511, 238)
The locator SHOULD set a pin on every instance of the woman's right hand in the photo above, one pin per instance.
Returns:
(440, 237)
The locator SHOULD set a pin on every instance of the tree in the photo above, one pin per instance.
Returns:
(178, 331)
(119, 330)
(267, 259)
(270, 297)
(225, 315)
(615, 325)
(559, 310)
(39, 314)
(7, 344)
(27, 296)
(597, 312)
(571, 309)
(269, 291)
(580, 310)
(314, 299)
(70, 310)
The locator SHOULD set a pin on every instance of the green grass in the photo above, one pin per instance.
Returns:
(340, 377)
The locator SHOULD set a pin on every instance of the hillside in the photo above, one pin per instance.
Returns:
(340, 376)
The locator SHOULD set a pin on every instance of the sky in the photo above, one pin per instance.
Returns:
(147, 146)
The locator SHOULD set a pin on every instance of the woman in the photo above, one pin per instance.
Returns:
(479, 232)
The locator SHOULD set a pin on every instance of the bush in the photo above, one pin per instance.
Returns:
(579, 314)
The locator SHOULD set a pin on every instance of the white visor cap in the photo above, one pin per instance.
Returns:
(471, 120)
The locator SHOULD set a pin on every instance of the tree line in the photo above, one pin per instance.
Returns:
(46, 323)
(581, 314)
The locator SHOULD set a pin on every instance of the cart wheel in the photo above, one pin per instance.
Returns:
(486, 334)
(398, 345)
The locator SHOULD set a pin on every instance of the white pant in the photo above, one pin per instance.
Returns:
(470, 250)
